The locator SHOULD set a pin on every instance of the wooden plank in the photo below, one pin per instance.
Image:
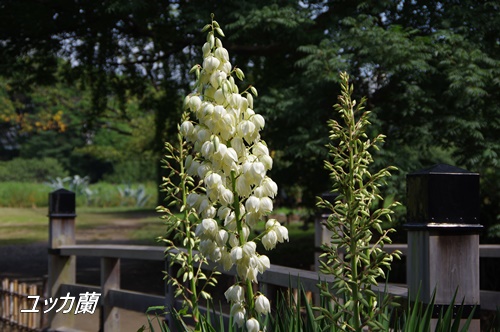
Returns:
(154, 253)
(489, 250)
(490, 300)
(134, 301)
(157, 253)
(75, 289)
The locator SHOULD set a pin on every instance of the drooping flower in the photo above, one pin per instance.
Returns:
(235, 293)
(262, 305)
(252, 325)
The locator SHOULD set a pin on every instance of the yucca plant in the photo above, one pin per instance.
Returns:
(353, 219)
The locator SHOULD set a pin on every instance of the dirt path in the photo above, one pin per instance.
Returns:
(29, 263)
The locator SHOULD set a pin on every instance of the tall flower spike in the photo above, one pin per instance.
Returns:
(232, 160)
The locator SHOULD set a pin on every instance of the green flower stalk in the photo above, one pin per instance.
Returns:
(353, 220)
(181, 230)
(235, 193)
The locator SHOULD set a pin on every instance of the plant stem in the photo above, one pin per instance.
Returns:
(239, 227)
(192, 281)
(353, 229)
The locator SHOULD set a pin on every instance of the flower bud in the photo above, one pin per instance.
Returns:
(210, 63)
(194, 103)
(187, 128)
(206, 49)
(222, 54)
(226, 67)
(250, 99)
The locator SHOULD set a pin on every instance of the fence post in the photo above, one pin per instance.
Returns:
(110, 279)
(169, 294)
(443, 238)
(322, 235)
(61, 269)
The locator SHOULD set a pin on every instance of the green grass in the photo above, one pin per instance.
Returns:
(21, 225)
(29, 225)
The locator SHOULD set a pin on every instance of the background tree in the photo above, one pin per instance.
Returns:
(429, 69)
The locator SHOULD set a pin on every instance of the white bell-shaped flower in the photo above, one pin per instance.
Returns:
(252, 325)
(235, 293)
(262, 305)
(269, 239)
(238, 313)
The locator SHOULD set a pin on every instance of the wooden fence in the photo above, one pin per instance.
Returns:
(116, 298)
(63, 251)
(13, 299)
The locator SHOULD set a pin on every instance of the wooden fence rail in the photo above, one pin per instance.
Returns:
(281, 276)
(63, 251)
(13, 299)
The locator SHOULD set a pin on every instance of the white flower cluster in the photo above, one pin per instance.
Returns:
(232, 161)
(236, 295)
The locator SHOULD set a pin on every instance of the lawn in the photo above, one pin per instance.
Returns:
(30, 225)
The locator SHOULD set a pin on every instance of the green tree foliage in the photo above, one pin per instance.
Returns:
(430, 70)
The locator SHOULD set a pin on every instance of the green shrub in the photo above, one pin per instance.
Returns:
(101, 194)
(30, 170)
(23, 194)
(143, 170)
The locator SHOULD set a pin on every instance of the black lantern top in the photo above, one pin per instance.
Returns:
(62, 204)
(443, 196)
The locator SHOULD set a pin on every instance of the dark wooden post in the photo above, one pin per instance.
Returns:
(110, 279)
(443, 238)
(169, 295)
(322, 235)
(61, 269)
